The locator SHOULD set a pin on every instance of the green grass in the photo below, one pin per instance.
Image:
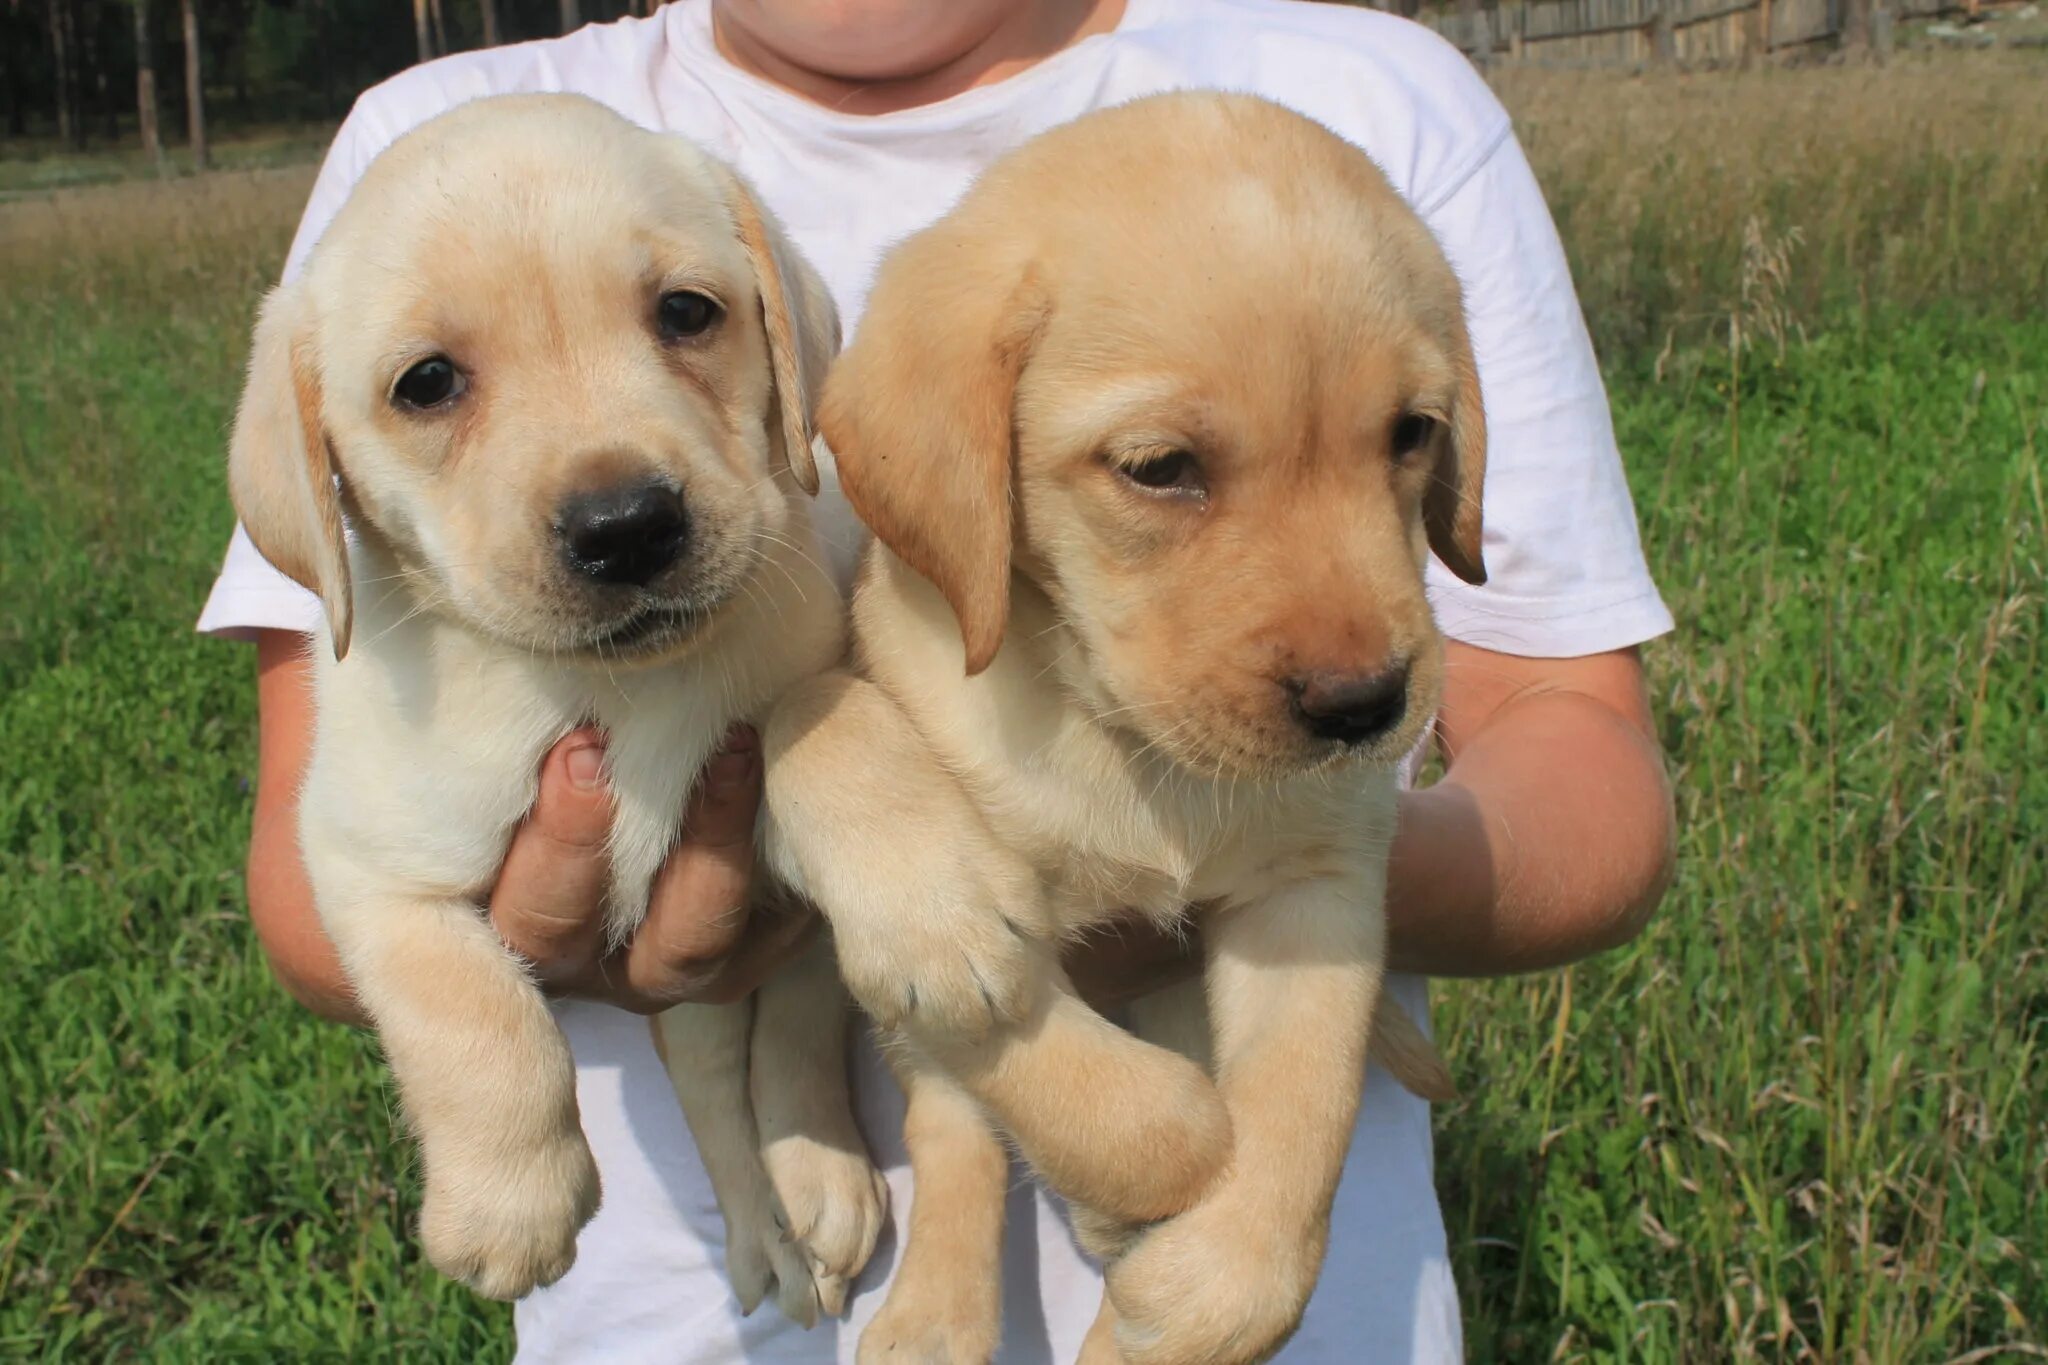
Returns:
(1806, 1114)
(44, 166)
(194, 1169)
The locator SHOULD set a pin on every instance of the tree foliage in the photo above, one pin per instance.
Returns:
(265, 61)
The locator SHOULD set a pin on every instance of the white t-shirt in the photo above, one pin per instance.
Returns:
(1568, 578)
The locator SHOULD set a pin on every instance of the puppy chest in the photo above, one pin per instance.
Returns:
(1086, 893)
(1225, 858)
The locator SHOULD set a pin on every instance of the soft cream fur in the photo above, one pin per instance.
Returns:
(1069, 700)
(529, 239)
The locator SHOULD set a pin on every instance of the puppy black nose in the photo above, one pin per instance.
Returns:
(1353, 708)
(627, 534)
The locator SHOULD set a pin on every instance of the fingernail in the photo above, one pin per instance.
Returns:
(586, 766)
(730, 773)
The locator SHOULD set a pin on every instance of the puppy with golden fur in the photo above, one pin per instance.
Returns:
(558, 373)
(1155, 431)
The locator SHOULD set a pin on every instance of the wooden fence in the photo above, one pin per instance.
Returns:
(1681, 32)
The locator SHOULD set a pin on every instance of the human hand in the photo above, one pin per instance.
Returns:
(699, 942)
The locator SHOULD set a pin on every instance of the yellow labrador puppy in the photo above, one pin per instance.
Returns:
(1155, 431)
(557, 371)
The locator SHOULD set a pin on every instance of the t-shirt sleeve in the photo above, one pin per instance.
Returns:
(250, 594)
(1566, 575)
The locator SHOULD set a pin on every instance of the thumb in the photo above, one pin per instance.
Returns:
(550, 895)
(573, 810)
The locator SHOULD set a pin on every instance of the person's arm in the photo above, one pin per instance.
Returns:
(697, 943)
(280, 897)
(1549, 838)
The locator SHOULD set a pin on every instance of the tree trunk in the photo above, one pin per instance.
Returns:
(195, 88)
(75, 41)
(17, 108)
(423, 36)
(145, 87)
(490, 15)
(572, 15)
(440, 25)
(101, 59)
(60, 54)
(323, 28)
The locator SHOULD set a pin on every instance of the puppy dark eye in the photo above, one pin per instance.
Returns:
(429, 384)
(685, 313)
(1174, 471)
(1412, 432)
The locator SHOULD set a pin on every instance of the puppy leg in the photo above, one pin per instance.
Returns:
(1099, 1346)
(945, 1304)
(487, 1083)
(1293, 982)
(932, 919)
(1176, 1018)
(1118, 1126)
(943, 934)
(831, 1196)
(706, 1049)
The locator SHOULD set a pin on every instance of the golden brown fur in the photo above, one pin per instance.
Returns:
(1155, 431)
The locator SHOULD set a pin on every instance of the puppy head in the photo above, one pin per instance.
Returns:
(1195, 369)
(563, 369)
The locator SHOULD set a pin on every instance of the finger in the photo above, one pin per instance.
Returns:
(771, 939)
(728, 797)
(698, 907)
(549, 902)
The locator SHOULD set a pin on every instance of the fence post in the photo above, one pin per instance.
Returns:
(1471, 34)
(1856, 27)
(1882, 31)
(1663, 38)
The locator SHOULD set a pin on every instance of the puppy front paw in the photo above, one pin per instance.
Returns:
(953, 960)
(1216, 1285)
(833, 1204)
(505, 1226)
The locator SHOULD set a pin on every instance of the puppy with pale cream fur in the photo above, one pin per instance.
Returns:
(1155, 431)
(556, 372)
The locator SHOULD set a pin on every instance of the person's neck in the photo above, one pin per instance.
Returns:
(1021, 37)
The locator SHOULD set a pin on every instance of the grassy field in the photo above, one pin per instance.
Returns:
(1805, 1116)
(39, 167)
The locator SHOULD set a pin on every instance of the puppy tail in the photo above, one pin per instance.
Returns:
(1408, 1054)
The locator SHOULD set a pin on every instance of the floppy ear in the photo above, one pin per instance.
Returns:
(1451, 506)
(918, 416)
(280, 466)
(802, 327)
